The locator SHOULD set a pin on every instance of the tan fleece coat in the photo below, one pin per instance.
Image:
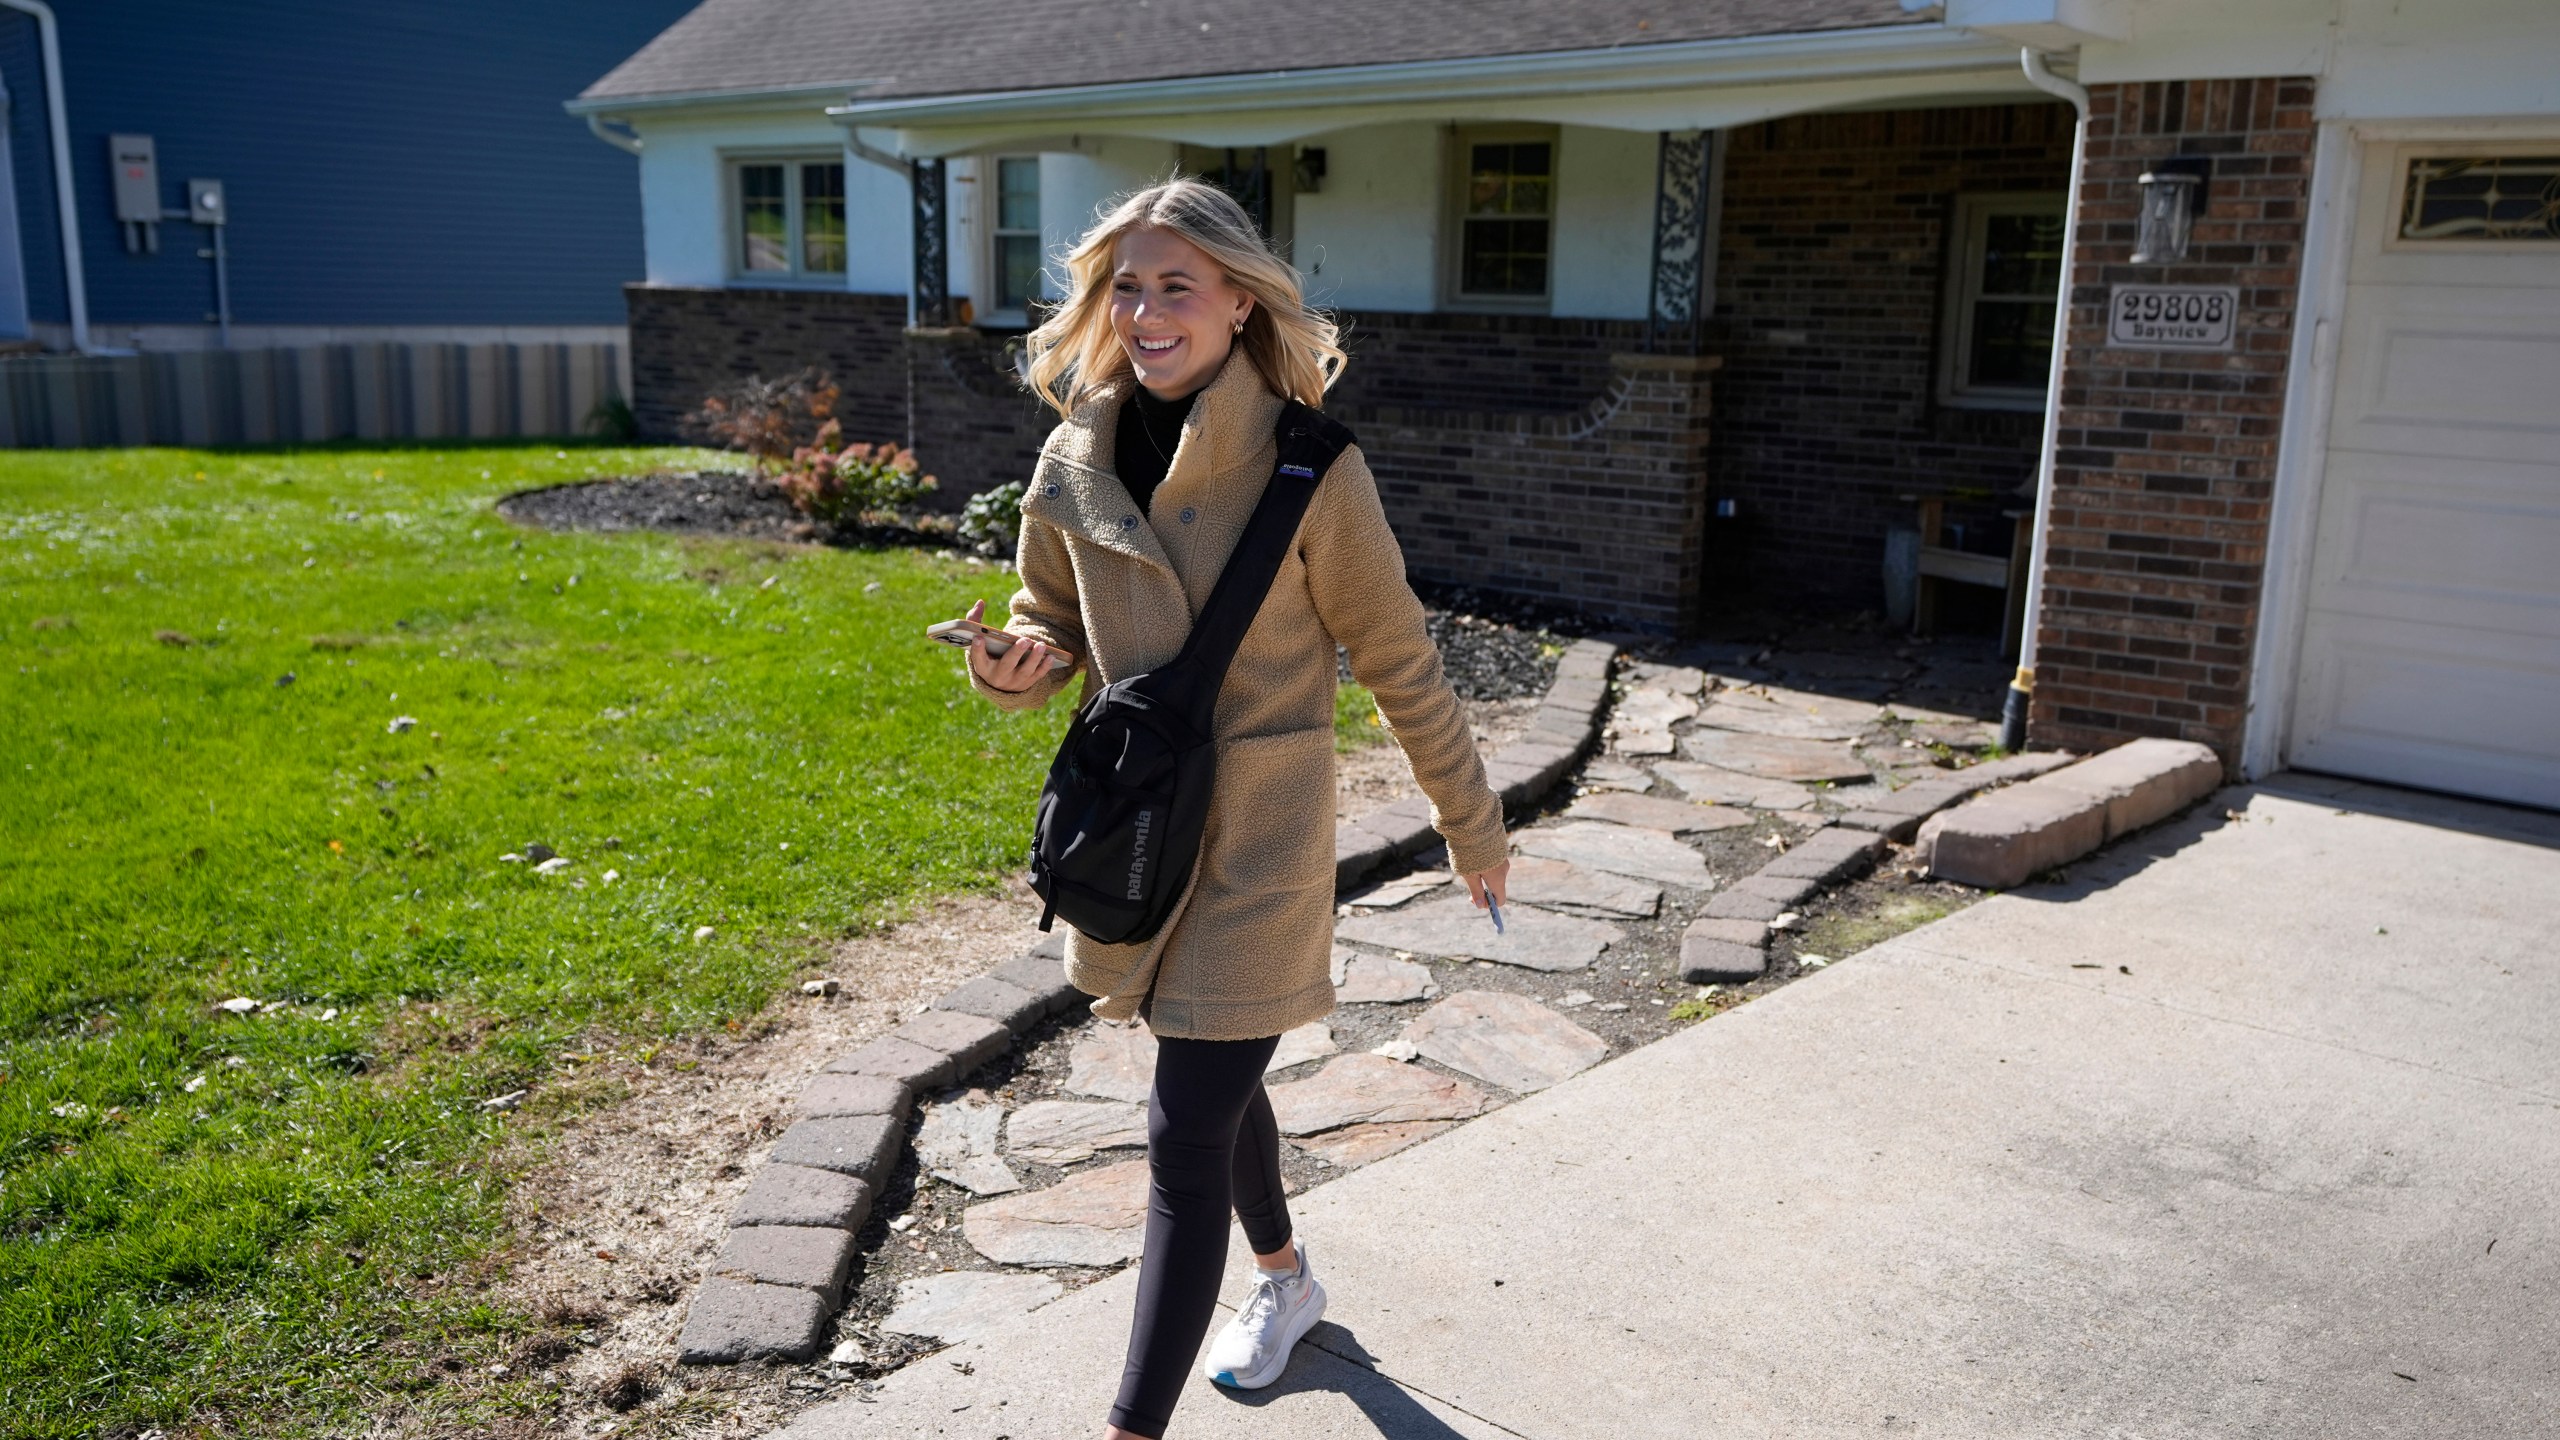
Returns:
(1248, 948)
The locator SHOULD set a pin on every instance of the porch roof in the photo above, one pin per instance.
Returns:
(878, 50)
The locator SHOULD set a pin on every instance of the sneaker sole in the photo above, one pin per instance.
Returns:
(1298, 1329)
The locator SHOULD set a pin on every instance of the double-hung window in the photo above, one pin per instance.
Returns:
(2004, 276)
(1502, 231)
(789, 221)
(1014, 256)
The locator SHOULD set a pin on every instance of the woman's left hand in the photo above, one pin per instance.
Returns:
(1497, 880)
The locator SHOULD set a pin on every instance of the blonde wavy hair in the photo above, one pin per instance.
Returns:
(1074, 353)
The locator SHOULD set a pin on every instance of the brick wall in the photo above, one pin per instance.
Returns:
(1520, 364)
(1601, 508)
(2166, 459)
(687, 342)
(1513, 452)
(1832, 261)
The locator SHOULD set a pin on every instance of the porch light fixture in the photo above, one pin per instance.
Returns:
(2172, 196)
(1308, 171)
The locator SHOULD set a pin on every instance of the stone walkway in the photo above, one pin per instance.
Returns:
(2246, 1129)
(1711, 810)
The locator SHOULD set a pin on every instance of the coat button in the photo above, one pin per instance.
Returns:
(1189, 514)
(1052, 490)
(1128, 522)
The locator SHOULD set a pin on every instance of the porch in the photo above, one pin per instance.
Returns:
(1735, 356)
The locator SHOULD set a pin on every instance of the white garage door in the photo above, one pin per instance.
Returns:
(2431, 650)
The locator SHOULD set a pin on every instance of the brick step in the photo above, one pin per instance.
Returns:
(2000, 840)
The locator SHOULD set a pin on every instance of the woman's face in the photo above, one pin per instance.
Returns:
(1174, 311)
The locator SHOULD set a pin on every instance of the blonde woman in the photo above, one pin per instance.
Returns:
(1180, 338)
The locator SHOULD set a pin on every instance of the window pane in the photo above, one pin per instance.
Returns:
(762, 225)
(1508, 179)
(822, 218)
(2022, 255)
(1504, 257)
(2515, 197)
(2012, 343)
(1018, 194)
(1017, 270)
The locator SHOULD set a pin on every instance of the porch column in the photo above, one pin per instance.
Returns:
(926, 183)
(1676, 313)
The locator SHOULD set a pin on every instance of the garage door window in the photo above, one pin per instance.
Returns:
(2470, 197)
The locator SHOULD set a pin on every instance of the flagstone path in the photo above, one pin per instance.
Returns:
(1724, 794)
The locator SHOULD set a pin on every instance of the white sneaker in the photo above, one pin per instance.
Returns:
(1254, 1347)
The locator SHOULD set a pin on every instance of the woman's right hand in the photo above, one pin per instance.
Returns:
(1013, 672)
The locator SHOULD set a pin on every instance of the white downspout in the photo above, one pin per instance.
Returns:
(65, 203)
(2013, 711)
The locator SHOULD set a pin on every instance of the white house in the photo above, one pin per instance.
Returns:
(1653, 305)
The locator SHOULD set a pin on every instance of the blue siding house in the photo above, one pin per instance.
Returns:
(394, 172)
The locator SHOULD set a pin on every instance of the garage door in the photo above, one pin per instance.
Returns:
(2431, 649)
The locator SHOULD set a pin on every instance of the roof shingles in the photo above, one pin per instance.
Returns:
(883, 49)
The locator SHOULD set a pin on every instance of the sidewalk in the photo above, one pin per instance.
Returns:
(2218, 1147)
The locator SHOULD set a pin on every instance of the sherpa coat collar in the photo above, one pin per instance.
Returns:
(1077, 484)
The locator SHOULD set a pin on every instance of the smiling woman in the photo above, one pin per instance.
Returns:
(266, 961)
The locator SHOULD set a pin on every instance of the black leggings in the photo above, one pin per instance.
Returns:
(1212, 1146)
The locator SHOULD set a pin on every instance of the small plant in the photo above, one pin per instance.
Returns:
(768, 419)
(992, 520)
(611, 419)
(831, 481)
(1357, 723)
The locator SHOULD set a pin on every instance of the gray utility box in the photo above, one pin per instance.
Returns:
(137, 167)
(204, 202)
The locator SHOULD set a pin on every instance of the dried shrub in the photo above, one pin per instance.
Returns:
(768, 419)
(831, 481)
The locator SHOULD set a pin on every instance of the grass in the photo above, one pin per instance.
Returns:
(1355, 719)
(1848, 932)
(269, 1222)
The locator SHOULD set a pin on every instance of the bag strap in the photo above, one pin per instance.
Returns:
(1309, 444)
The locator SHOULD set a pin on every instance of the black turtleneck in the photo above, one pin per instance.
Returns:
(1143, 450)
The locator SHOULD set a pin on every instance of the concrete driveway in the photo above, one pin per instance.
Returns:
(2252, 1127)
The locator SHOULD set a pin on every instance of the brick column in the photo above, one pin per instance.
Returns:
(2166, 459)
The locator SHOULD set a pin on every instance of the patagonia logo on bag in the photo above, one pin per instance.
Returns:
(1138, 854)
(1301, 471)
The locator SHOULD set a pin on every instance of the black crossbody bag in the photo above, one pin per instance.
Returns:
(1126, 801)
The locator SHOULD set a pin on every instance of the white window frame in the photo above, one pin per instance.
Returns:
(1969, 229)
(733, 219)
(1453, 215)
(990, 207)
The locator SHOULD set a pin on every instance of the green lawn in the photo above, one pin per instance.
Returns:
(252, 1222)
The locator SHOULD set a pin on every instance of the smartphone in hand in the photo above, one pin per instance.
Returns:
(961, 631)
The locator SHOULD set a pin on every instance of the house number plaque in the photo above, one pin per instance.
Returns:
(2172, 317)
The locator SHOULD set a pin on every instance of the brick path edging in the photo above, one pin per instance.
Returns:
(779, 1278)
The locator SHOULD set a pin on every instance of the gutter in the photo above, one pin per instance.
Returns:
(66, 203)
(1873, 51)
(2013, 709)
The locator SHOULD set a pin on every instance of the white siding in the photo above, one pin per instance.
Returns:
(1368, 238)
(1604, 223)
(684, 208)
(1076, 184)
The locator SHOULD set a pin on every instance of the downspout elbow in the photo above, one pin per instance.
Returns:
(623, 140)
(2042, 77)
